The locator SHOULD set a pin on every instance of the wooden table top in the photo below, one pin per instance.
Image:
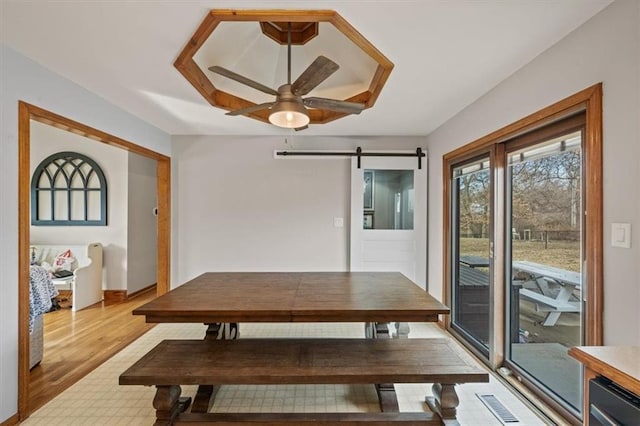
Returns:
(295, 297)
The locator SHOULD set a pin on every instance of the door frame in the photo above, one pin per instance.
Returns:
(588, 100)
(26, 113)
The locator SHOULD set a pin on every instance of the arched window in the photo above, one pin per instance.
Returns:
(68, 189)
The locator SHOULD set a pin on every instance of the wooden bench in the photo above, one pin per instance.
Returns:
(304, 361)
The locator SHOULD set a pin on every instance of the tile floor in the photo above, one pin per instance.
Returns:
(99, 400)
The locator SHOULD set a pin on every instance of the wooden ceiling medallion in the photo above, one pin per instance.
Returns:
(301, 32)
(273, 23)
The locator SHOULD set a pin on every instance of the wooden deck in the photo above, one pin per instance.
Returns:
(473, 309)
(472, 277)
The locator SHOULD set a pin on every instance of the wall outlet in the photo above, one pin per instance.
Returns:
(338, 222)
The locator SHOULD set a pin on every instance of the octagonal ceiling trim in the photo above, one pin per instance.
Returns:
(187, 66)
(301, 32)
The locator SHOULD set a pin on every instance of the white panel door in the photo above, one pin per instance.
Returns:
(389, 233)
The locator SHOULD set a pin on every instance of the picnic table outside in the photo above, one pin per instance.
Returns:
(546, 300)
(535, 287)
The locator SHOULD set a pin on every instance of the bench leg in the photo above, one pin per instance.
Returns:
(444, 402)
(167, 404)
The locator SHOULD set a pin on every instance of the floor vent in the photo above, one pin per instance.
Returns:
(500, 411)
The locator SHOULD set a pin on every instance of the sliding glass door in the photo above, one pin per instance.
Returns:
(544, 261)
(471, 219)
(518, 255)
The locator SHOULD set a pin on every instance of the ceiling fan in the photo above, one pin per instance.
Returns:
(289, 109)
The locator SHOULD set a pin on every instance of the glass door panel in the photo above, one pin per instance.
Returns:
(544, 260)
(471, 200)
(388, 199)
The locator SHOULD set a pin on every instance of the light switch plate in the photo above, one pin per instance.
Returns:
(621, 235)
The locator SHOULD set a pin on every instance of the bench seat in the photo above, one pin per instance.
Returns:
(303, 361)
(550, 303)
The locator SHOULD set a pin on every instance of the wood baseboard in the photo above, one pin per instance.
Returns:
(114, 296)
(153, 287)
(13, 420)
(117, 296)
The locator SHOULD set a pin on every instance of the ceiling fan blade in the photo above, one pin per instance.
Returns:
(241, 79)
(254, 108)
(334, 105)
(316, 73)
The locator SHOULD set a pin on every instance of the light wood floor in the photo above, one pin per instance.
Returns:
(75, 343)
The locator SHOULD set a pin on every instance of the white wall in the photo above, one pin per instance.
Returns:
(142, 248)
(239, 209)
(47, 140)
(23, 79)
(605, 49)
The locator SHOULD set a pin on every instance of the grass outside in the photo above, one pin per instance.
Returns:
(559, 254)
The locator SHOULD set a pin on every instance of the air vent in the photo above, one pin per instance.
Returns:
(500, 411)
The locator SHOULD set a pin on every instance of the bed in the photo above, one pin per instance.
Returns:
(41, 293)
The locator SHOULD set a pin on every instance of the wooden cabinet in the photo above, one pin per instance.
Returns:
(619, 364)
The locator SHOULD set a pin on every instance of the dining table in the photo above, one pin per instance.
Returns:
(223, 300)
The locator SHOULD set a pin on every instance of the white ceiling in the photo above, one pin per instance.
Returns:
(447, 53)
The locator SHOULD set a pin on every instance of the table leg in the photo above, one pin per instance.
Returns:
(207, 393)
(222, 331)
(370, 330)
(402, 330)
(543, 285)
(563, 296)
(551, 318)
(204, 396)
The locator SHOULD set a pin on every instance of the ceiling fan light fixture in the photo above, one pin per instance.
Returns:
(289, 114)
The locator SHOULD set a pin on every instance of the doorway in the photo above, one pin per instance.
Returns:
(26, 114)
